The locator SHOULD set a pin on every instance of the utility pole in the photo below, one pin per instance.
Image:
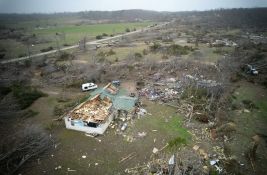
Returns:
(28, 42)
(57, 41)
(82, 44)
(28, 50)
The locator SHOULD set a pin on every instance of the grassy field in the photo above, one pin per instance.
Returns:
(107, 150)
(250, 122)
(91, 30)
(72, 35)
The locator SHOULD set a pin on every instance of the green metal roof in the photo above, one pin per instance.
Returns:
(124, 103)
(120, 100)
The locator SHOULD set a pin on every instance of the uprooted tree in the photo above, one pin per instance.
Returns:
(21, 147)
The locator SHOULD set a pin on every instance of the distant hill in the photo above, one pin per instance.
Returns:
(130, 15)
(235, 18)
(217, 18)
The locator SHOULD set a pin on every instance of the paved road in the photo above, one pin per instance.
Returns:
(88, 43)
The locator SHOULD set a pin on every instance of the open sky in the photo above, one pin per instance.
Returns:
(50, 6)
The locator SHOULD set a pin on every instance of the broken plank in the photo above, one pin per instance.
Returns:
(127, 157)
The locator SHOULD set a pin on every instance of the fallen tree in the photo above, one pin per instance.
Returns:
(22, 146)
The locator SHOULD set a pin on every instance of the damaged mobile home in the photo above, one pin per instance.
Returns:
(94, 115)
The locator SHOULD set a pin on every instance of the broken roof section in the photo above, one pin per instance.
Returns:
(94, 110)
(118, 97)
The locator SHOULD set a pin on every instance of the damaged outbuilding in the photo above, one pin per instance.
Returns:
(94, 115)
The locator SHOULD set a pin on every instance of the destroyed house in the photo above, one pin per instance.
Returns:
(94, 115)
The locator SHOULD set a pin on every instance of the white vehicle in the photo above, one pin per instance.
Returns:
(88, 86)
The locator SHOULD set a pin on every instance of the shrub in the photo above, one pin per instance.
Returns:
(50, 126)
(64, 56)
(127, 30)
(75, 83)
(145, 52)
(47, 49)
(99, 37)
(176, 49)
(111, 52)
(4, 90)
(66, 44)
(26, 95)
(130, 67)
(28, 62)
(101, 54)
(138, 55)
(104, 34)
(58, 110)
(220, 51)
(101, 59)
(3, 50)
(197, 93)
(22, 55)
(30, 113)
(249, 104)
(164, 57)
(176, 143)
(2, 55)
(155, 47)
(22, 146)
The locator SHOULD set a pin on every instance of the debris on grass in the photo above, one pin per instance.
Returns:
(155, 150)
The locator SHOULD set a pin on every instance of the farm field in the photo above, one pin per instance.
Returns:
(62, 35)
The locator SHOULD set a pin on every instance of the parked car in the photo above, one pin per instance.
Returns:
(88, 86)
(116, 82)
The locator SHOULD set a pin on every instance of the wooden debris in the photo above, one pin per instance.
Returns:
(196, 147)
(164, 147)
(130, 156)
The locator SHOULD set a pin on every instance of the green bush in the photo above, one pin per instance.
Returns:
(50, 126)
(47, 49)
(2, 55)
(220, 51)
(138, 55)
(22, 55)
(4, 90)
(59, 110)
(164, 57)
(30, 113)
(101, 59)
(127, 30)
(145, 52)
(99, 37)
(130, 67)
(66, 44)
(64, 56)
(194, 93)
(101, 54)
(155, 47)
(176, 143)
(104, 34)
(111, 52)
(62, 108)
(26, 95)
(175, 49)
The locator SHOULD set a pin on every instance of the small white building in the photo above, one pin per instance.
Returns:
(94, 115)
